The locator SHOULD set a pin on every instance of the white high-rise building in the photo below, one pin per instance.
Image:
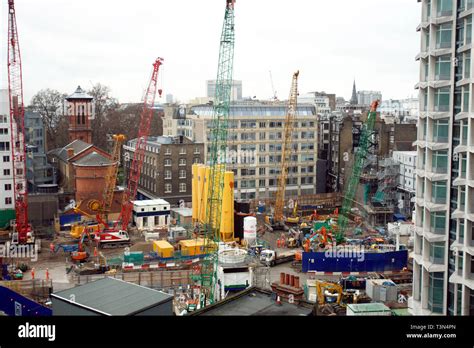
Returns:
(443, 262)
(7, 205)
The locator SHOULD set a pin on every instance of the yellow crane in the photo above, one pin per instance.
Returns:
(286, 151)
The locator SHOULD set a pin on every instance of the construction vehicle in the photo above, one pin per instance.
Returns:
(271, 258)
(360, 158)
(206, 277)
(295, 219)
(328, 290)
(278, 221)
(22, 231)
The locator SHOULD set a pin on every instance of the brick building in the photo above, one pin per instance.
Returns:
(167, 167)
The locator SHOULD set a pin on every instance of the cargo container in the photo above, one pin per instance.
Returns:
(136, 257)
(195, 247)
(164, 249)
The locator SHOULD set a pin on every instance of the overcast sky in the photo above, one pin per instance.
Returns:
(67, 43)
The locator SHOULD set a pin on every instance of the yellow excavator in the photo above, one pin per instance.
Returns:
(321, 286)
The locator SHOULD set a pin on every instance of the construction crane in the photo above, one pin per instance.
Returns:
(360, 157)
(286, 151)
(207, 279)
(274, 97)
(23, 232)
(138, 156)
(111, 176)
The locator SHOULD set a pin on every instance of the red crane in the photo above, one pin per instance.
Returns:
(23, 232)
(137, 162)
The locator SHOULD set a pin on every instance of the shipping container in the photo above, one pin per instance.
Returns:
(195, 247)
(164, 249)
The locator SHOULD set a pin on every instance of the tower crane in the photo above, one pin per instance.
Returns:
(207, 279)
(23, 232)
(286, 151)
(138, 156)
(360, 158)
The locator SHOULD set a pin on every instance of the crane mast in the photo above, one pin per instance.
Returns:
(208, 277)
(17, 130)
(360, 157)
(286, 150)
(111, 176)
(138, 156)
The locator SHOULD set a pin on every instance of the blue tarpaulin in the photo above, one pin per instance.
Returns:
(14, 304)
(399, 217)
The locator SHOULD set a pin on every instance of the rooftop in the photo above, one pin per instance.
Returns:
(253, 302)
(368, 307)
(77, 145)
(111, 296)
(93, 159)
(79, 94)
(257, 110)
(150, 202)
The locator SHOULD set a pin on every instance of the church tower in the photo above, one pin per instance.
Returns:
(80, 111)
(354, 100)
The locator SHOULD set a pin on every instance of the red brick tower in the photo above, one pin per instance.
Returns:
(80, 112)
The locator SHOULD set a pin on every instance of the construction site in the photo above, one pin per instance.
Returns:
(320, 254)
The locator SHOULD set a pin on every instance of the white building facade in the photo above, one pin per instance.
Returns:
(6, 167)
(443, 262)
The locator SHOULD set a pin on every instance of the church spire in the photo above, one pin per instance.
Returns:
(354, 95)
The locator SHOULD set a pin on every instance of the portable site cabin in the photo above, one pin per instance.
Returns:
(163, 249)
(195, 247)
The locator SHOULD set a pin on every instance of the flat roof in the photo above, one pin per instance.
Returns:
(110, 296)
(368, 307)
(148, 202)
(253, 302)
(186, 212)
(163, 244)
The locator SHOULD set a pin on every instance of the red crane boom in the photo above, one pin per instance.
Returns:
(137, 162)
(17, 127)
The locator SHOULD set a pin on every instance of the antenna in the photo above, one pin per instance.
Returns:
(274, 97)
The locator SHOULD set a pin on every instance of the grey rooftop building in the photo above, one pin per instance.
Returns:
(111, 297)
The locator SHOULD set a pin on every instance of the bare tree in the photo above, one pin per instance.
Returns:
(104, 104)
(49, 104)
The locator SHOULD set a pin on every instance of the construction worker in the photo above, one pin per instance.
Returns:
(33, 273)
(47, 274)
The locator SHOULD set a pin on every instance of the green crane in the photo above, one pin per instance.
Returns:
(216, 157)
(360, 157)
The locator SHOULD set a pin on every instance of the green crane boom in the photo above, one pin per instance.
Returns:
(216, 157)
(360, 158)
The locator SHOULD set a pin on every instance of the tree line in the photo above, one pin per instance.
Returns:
(111, 117)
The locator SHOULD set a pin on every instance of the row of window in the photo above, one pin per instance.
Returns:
(169, 188)
(262, 183)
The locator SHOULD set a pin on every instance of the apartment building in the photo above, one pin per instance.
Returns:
(406, 180)
(255, 144)
(167, 167)
(443, 266)
(7, 204)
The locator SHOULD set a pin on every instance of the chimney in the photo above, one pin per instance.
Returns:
(287, 280)
(70, 152)
(282, 278)
(297, 282)
(292, 280)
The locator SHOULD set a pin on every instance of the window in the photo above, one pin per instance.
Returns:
(445, 8)
(442, 96)
(467, 65)
(262, 147)
(462, 202)
(182, 162)
(263, 136)
(464, 133)
(3, 130)
(443, 36)
(436, 292)
(168, 151)
(438, 222)
(182, 151)
(440, 131)
(196, 160)
(437, 252)
(443, 68)
(469, 29)
(8, 187)
(182, 174)
(248, 136)
(167, 162)
(262, 171)
(463, 161)
(4, 146)
(182, 187)
(438, 192)
(167, 188)
(8, 200)
(167, 174)
(6, 158)
(440, 162)
(197, 151)
(465, 100)
(261, 183)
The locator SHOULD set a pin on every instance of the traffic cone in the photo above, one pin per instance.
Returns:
(278, 301)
